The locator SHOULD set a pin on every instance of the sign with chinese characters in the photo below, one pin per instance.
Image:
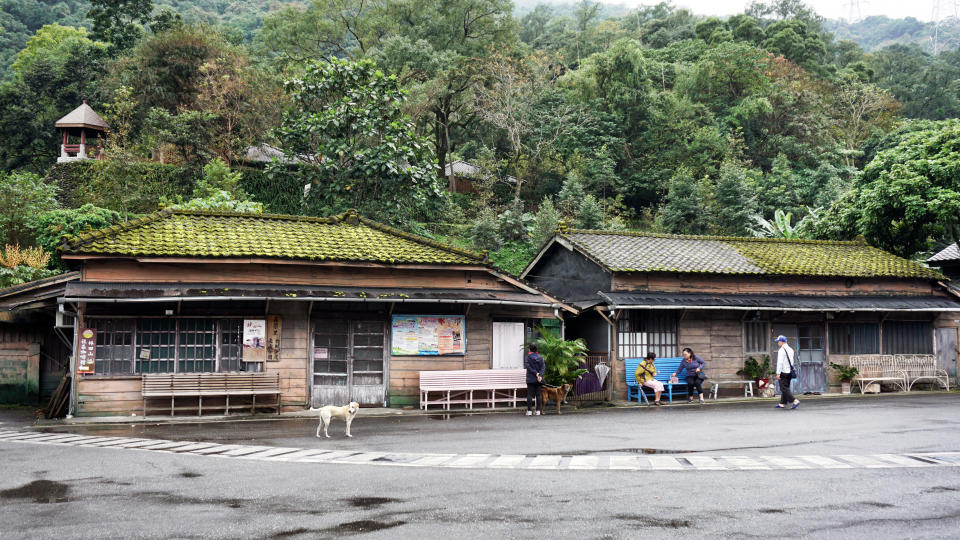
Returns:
(274, 329)
(418, 335)
(254, 340)
(87, 350)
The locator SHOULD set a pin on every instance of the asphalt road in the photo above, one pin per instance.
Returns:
(78, 492)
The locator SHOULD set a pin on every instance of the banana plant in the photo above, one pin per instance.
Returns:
(781, 226)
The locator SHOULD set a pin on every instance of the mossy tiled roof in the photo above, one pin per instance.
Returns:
(184, 233)
(648, 252)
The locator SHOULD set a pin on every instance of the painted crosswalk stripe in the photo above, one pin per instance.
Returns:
(705, 463)
(544, 462)
(336, 454)
(431, 461)
(269, 453)
(85, 441)
(25, 436)
(626, 463)
(362, 457)
(169, 446)
(785, 462)
(510, 461)
(469, 460)
(295, 455)
(144, 444)
(664, 463)
(584, 462)
(217, 448)
(195, 446)
(59, 439)
(866, 461)
(244, 450)
(744, 463)
(826, 462)
(118, 441)
(903, 461)
(941, 458)
(45, 437)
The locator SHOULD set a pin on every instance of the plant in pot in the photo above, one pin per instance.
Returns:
(562, 357)
(757, 370)
(846, 373)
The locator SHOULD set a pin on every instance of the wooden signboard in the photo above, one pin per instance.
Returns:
(274, 329)
(87, 350)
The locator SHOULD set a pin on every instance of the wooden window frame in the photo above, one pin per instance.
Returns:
(648, 331)
(764, 341)
(846, 332)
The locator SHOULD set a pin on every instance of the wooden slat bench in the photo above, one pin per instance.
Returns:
(665, 368)
(921, 367)
(878, 368)
(200, 385)
(458, 387)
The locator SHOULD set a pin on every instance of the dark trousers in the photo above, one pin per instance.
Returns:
(694, 386)
(533, 393)
(786, 396)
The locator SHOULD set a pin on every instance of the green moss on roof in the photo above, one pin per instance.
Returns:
(634, 251)
(185, 233)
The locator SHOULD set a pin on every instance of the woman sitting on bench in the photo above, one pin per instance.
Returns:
(693, 365)
(646, 371)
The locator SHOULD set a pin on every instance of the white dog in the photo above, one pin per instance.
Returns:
(345, 413)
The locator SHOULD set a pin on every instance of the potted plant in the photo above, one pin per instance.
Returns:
(846, 373)
(562, 357)
(757, 371)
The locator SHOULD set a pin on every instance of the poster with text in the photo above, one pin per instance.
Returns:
(422, 335)
(254, 340)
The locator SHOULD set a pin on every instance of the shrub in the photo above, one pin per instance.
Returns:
(50, 226)
(23, 195)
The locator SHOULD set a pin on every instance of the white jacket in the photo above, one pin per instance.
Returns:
(783, 365)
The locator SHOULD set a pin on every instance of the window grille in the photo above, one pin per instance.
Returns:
(907, 337)
(854, 338)
(756, 337)
(640, 332)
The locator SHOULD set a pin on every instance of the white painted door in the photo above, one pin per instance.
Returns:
(508, 346)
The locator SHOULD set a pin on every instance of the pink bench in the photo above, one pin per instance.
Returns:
(492, 386)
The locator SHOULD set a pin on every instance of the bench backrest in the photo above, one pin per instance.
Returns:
(473, 379)
(665, 368)
(876, 365)
(209, 382)
(917, 365)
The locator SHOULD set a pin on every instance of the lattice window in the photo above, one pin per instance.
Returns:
(197, 346)
(158, 339)
(854, 338)
(330, 350)
(231, 347)
(367, 353)
(640, 332)
(810, 337)
(114, 346)
(756, 337)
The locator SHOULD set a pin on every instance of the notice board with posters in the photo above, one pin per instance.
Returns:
(427, 335)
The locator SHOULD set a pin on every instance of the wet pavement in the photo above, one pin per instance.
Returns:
(59, 491)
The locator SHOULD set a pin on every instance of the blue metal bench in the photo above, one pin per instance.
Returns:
(665, 368)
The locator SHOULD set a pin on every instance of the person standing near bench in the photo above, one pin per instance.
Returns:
(785, 362)
(693, 365)
(646, 371)
(535, 367)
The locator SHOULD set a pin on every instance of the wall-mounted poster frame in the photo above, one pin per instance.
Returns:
(428, 335)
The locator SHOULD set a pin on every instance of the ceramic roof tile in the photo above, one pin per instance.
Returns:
(181, 233)
(950, 253)
(648, 252)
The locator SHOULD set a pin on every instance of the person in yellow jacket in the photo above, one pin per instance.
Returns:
(645, 375)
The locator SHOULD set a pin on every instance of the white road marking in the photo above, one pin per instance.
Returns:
(826, 462)
(647, 463)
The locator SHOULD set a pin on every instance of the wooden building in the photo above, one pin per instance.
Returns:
(728, 298)
(358, 308)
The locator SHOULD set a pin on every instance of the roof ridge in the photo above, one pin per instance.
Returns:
(422, 239)
(718, 238)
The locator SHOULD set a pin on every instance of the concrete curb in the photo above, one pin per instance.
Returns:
(383, 412)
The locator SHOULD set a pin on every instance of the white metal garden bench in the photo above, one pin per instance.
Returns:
(472, 386)
(922, 367)
(878, 368)
(747, 387)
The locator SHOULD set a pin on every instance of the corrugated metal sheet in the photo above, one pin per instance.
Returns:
(782, 302)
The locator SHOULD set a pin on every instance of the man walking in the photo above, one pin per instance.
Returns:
(786, 360)
(535, 368)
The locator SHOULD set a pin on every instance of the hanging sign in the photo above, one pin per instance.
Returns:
(419, 335)
(254, 340)
(273, 338)
(87, 350)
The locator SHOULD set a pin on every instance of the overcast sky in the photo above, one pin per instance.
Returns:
(831, 9)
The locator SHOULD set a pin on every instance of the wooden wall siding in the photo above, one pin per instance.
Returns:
(292, 367)
(770, 285)
(20, 333)
(121, 270)
(405, 370)
(19, 372)
(112, 397)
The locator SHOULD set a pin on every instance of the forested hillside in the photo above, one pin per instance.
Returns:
(655, 119)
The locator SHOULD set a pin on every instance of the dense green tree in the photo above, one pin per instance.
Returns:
(359, 150)
(119, 22)
(50, 226)
(23, 195)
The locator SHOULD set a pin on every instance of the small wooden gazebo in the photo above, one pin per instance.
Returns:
(85, 123)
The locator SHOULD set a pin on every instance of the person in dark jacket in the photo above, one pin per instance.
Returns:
(693, 365)
(535, 368)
